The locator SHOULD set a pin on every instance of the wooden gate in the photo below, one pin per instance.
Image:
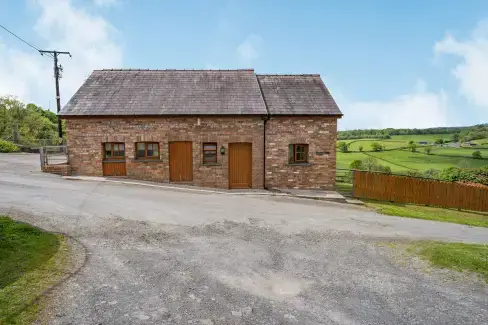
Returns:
(180, 161)
(114, 169)
(240, 165)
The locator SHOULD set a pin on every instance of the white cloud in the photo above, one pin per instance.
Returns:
(418, 109)
(105, 3)
(472, 70)
(249, 49)
(90, 39)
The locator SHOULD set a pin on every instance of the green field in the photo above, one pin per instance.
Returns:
(366, 143)
(401, 160)
(422, 162)
(461, 152)
(345, 159)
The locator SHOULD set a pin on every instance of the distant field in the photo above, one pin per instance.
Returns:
(345, 159)
(424, 162)
(422, 137)
(461, 152)
(366, 143)
(402, 160)
(481, 142)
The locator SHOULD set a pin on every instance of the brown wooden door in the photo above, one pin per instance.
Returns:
(114, 169)
(180, 161)
(240, 165)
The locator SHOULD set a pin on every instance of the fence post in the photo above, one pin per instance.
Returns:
(41, 155)
(353, 176)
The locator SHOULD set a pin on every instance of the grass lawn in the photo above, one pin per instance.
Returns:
(31, 261)
(470, 218)
(422, 162)
(458, 256)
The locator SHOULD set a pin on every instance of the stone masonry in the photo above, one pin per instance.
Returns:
(85, 137)
(320, 134)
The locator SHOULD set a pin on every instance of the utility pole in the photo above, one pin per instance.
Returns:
(57, 69)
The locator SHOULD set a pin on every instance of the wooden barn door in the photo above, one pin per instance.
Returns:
(240, 165)
(114, 169)
(180, 161)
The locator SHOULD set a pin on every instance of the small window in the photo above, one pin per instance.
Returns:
(298, 153)
(209, 152)
(147, 150)
(114, 150)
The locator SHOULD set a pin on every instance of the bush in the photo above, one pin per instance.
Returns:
(7, 146)
(413, 173)
(361, 148)
(376, 146)
(474, 175)
(431, 173)
(343, 147)
(477, 154)
(356, 164)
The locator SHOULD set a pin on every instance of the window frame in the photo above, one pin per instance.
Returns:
(112, 144)
(297, 153)
(146, 143)
(212, 151)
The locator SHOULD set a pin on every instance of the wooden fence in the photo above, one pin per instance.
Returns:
(402, 189)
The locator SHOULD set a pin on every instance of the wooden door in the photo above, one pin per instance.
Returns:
(180, 161)
(240, 165)
(114, 169)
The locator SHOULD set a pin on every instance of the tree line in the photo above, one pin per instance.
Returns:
(27, 124)
(465, 133)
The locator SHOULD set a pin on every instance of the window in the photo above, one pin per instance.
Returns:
(298, 153)
(209, 152)
(114, 150)
(147, 150)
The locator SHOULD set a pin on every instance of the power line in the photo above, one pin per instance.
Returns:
(29, 44)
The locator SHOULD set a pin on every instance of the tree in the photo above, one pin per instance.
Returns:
(439, 141)
(412, 146)
(361, 148)
(477, 154)
(427, 150)
(455, 137)
(356, 164)
(376, 146)
(343, 147)
(370, 163)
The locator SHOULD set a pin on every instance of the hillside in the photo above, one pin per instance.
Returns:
(416, 150)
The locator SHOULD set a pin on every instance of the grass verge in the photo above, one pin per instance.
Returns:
(31, 261)
(457, 256)
(470, 218)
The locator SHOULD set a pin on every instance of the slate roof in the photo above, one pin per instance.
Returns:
(303, 94)
(167, 92)
(199, 92)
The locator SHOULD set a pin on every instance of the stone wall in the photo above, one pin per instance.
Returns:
(59, 169)
(85, 137)
(320, 134)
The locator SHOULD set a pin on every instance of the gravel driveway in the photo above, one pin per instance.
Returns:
(160, 256)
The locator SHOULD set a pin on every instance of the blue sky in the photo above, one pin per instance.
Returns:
(387, 63)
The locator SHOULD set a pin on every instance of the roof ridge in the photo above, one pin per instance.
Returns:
(288, 75)
(173, 69)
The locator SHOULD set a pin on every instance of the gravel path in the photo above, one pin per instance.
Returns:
(171, 257)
